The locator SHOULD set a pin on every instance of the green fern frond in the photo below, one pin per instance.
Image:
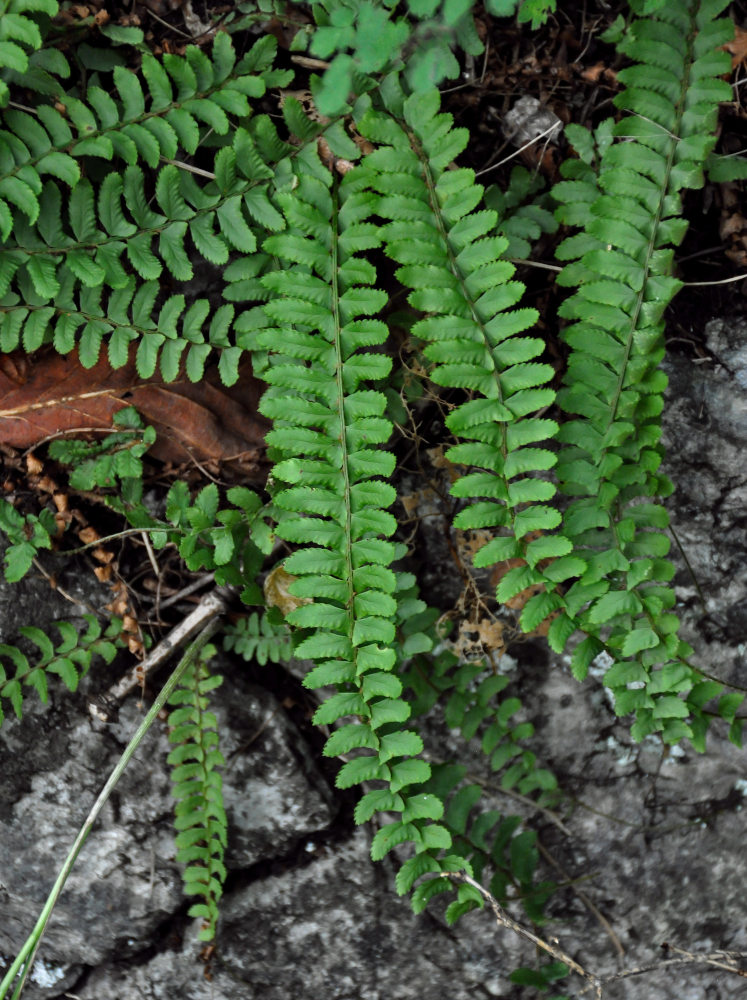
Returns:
(332, 496)
(454, 263)
(198, 789)
(26, 534)
(629, 204)
(68, 242)
(70, 660)
(259, 637)
(20, 39)
(118, 456)
(524, 211)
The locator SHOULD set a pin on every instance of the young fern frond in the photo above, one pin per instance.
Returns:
(26, 534)
(524, 211)
(200, 817)
(259, 637)
(502, 856)
(630, 208)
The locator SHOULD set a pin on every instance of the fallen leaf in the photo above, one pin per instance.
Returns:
(737, 47)
(277, 594)
(203, 421)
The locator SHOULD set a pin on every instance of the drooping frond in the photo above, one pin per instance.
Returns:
(200, 817)
(453, 260)
(628, 202)
(328, 442)
(259, 637)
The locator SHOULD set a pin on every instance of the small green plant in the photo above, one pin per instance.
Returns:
(26, 534)
(69, 660)
(115, 461)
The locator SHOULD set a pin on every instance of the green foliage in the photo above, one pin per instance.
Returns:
(70, 659)
(536, 11)
(200, 817)
(112, 194)
(118, 456)
(541, 978)
(626, 197)
(259, 637)
(26, 534)
(524, 211)
(82, 258)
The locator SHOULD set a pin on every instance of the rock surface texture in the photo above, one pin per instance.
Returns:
(648, 846)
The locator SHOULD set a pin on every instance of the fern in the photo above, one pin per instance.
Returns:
(26, 534)
(501, 854)
(20, 40)
(118, 456)
(524, 211)
(69, 660)
(629, 205)
(55, 264)
(200, 817)
(325, 442)
(111, 194)
(261, 638)
(453, 261)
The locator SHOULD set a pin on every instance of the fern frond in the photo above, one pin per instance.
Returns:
(200, 817)
(259, 638)
(20, 39)
(70, 659)
(69, 242)
(332, 496)
(455, 264)
(524, 211)
(500, 852)
(629, 203)
(26, 534)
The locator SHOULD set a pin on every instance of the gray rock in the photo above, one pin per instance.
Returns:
(126, 883)
(705, 431)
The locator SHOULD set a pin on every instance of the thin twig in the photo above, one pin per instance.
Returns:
(151, 554)
(188, 166)
(195, 585)
(552, 128)
(722, 281)
(309, 63)
(727, 960)
(505, 920)
(534, 263)
(171, 27)
(212, 605)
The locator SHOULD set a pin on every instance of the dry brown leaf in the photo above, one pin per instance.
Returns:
(737, 47)
(205, 421)
(277, 594)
